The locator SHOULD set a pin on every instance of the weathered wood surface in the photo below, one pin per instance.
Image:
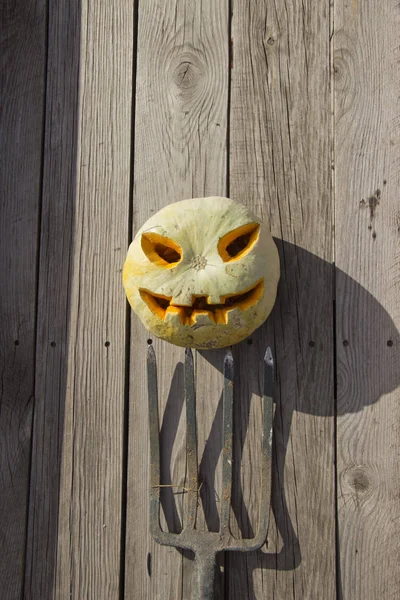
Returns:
(78, 459)
(249, 117)
(180, 152)
(367, 183)
(280, 166)
(91, 491)
(56, 255)
(23, 70)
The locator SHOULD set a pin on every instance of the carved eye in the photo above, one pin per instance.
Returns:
(161, 250)
(239, 242)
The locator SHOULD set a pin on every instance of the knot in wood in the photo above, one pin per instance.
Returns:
(187, 74)
(340, 71)
(360, 481)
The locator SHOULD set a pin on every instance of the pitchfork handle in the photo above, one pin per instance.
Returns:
(205, 566)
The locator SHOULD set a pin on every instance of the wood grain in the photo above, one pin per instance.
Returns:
(180, 152)
(86, 386)
(280, 167)
(23, 61)
(56, 252)
(367, 183)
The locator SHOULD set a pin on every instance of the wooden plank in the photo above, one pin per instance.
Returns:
(280, 166)
(23, 59)
(367, 182)
(81, 378)
(59, 199)
(180, 152)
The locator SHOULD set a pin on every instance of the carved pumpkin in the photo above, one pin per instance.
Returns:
(202, 273)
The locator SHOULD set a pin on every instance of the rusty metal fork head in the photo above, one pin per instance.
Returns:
(206, 544)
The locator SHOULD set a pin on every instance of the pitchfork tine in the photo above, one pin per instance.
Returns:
(268, 402)
(262, 532)
(227, 450)
(191, 441)
(154, 442)
(162, 537)
(268, 411)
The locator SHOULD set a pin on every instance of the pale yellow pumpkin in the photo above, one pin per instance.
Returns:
(202, 273)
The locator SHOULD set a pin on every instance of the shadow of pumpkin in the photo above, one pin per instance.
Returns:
(333, 345)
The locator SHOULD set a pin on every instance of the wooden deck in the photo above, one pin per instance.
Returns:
(109, 111)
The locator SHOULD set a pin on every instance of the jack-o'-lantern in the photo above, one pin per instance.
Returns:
(202, 273)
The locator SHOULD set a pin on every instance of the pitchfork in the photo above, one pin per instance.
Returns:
(206, 544)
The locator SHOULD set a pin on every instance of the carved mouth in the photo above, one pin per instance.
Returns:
(161, 305)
